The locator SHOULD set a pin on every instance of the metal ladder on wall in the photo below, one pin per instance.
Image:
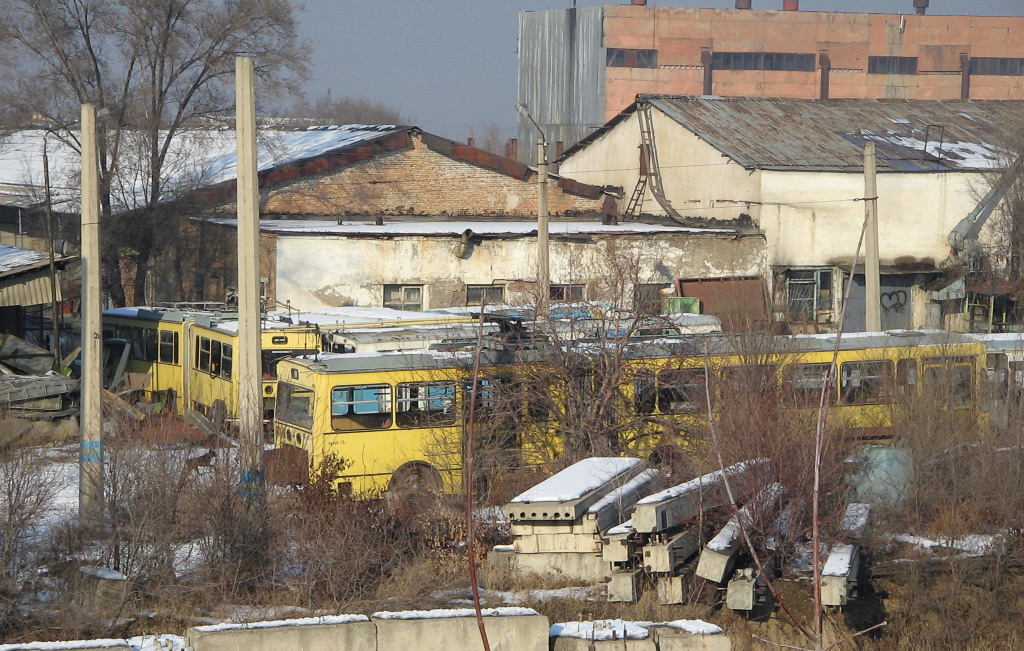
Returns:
(650, 172)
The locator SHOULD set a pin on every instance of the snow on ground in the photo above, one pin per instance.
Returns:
(975, 544)
(139, 643)
(577, 480)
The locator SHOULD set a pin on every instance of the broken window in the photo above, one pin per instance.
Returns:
(808, 292)
(892, 65)
(802, 383)
(566, 293)
(682, 390)
(294, 405)
(749, 379)
(906, 375)
(631, 58)
(951, 377)
(361, 407)
(226, 361)
(485, 294)
(168, 347)
(404, 297)
(866, 383)
(425, 404)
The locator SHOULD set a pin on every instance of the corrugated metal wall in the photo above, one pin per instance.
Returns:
(561, 76)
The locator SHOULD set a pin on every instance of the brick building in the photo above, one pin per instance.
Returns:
(607, 55)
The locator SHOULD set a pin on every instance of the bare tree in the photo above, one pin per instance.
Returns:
(348, 110)
(154, 67)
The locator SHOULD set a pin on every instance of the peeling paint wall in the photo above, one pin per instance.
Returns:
(318, 271)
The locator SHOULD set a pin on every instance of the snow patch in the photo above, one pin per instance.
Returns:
(445, 613)
(300, 621)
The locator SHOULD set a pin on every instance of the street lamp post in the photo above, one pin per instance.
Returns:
(543, 265)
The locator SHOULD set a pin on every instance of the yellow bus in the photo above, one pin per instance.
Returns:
(398, 419)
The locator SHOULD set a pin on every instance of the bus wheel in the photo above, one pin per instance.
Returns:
(414, 481)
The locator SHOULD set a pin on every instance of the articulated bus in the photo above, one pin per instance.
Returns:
(188, 356)
(397, 420)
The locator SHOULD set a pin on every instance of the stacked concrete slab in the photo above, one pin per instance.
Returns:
(619, 635)
(557, 525)
(656, 546)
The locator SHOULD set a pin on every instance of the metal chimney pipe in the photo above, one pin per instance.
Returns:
(791, 5)
(639, 3)
(921, 6)
(743, 4)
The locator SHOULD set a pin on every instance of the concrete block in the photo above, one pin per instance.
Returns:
(672, 589)
(673, 506)
(72, 645)
(501, 557)
(571, 565)
(715, 566)
(508, 629)
(568, 494)
(557, 542)
(576, 644)
(663, 553)
(839, 575)
(667, 638)
(745, 590)
(626, 586)
(618, 549)
(350, 632)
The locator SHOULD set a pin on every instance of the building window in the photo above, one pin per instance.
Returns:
(997, 66)
(808, 291)
(892, 65)
(630, 58)
(404, 297)
(763, 61)
(566, 293)
(485, 294)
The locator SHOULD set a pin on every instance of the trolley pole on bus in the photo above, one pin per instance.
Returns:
(250, 398)
(90, 452)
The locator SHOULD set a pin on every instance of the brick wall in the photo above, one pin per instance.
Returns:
(418, 181)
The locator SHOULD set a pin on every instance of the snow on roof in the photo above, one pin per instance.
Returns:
(445, 228)
(623, 491)
(275, 623)
(12, 258)
(703, 480)
(840, 559)
(196, 157)
(618, 629)
(444, 613)
(336, 316)
(577, 480)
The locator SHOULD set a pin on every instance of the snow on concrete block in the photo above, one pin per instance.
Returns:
(354, 632)
(72, 645)
(508, 629)
(675, 505)
(839, 574)
(717, 557)
(567, 495)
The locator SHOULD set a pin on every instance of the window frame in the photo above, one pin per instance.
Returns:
(569, 293)
(404, 303)
(880, 384)
(429, 417)
(892, 65)
(810, 395)
(484, 290)
(385, 418)
(286, 391)
(821, 298)
(168, 343)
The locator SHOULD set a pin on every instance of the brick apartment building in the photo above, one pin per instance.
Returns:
(578, 68)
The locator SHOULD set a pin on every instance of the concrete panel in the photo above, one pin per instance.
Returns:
(672, 589)
(306, 634)
(715, 566)
(667, 638)
(664, 554)
(571, 565)
(74, 645)
(626, 586)
(576, 644)
(425, 631)
(557, 542)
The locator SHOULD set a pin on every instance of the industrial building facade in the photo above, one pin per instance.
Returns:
(578, 68)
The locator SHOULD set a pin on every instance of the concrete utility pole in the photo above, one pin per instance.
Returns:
(90, 454)
(872, 292)
(250, 398)
(543, 266)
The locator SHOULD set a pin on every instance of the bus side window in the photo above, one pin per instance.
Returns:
(149, 345)
(168, 347)
(226, 361)
(682, 390)
(802, 383)
(644, 394)
(425, 404)
(361, 407)
(866, 383)
(203, 354)
(215, 349)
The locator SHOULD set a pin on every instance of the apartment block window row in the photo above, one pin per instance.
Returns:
(763, 61)
(997, 66)
(892, 65)
(630, 58)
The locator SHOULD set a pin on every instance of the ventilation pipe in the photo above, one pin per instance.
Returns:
(743, 4)
(791, 5)
(921, 6)
(639, 3)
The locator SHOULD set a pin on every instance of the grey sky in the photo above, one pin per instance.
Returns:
(450, 65)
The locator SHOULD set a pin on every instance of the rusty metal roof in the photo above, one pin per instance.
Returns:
(829, 135)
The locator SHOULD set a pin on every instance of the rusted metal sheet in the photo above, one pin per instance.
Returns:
(800, 134)
(737, 302)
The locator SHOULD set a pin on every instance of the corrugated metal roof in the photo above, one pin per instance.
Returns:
(829, 135)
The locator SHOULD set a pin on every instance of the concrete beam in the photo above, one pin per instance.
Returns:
(662, 554)
(839, 575)
(626, 586)
(673, 506)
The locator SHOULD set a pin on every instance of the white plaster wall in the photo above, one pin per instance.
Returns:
(317, 271)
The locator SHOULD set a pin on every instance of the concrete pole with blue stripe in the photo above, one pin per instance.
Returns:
(250, 397)
(90, 455)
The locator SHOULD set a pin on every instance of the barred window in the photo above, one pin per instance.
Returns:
(997, 66)
(631, 58)
(763, 61)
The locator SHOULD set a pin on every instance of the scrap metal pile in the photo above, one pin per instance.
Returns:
(29, 387)
(607, 518)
